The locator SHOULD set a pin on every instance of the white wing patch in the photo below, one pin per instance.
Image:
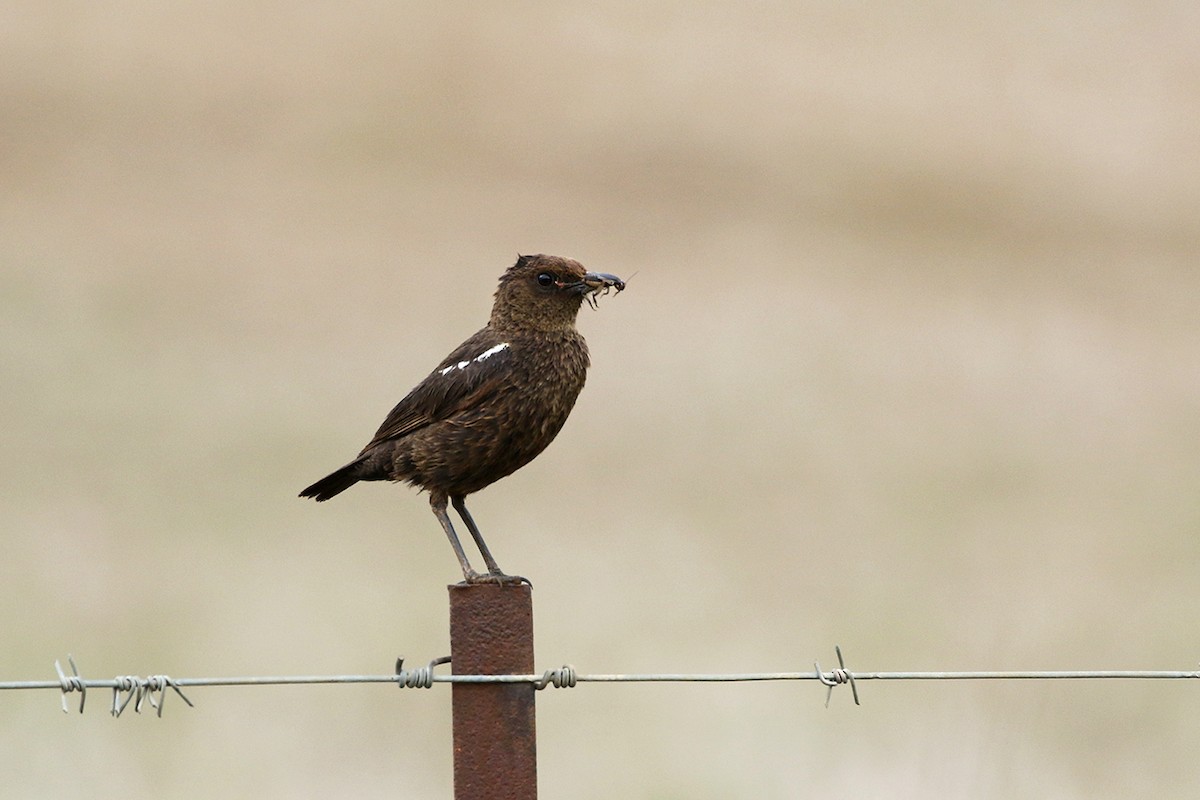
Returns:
(484, 356)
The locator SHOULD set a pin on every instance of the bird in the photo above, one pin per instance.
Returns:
(492, 405)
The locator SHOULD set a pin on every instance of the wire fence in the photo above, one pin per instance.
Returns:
(152, 690)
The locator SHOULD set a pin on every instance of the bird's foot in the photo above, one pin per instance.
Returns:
(497, 578)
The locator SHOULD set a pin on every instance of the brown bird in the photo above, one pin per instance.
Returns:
(492, 405)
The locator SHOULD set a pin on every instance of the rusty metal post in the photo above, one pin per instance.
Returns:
(495, 744)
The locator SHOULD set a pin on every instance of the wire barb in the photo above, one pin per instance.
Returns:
(563, 678)
(131, 684)
(419, 678)
(74, 683)
(157, 683)
(837, 677)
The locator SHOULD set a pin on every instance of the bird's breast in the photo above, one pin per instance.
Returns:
(507, 429)
(546, 382)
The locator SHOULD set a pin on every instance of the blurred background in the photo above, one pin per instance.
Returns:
(908, 363)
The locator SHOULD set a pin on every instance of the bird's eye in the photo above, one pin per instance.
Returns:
(545, 279)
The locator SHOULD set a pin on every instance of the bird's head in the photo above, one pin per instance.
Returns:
(545, 292)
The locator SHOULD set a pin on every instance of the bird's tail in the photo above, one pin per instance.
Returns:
(334, 483)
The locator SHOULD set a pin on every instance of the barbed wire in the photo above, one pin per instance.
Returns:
(127, 689)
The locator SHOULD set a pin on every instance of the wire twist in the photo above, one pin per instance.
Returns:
(564, 678)
(419, 678)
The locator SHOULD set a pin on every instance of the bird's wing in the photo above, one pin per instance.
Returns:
(474, 370)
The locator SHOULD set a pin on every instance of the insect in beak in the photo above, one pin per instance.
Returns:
(598, 284)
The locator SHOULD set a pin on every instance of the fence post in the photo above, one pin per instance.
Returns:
(495, 744)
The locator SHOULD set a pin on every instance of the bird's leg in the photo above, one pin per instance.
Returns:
(494, 572)
(460, 505)
(437, 501)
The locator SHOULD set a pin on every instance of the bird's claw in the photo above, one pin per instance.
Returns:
(498, 578)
